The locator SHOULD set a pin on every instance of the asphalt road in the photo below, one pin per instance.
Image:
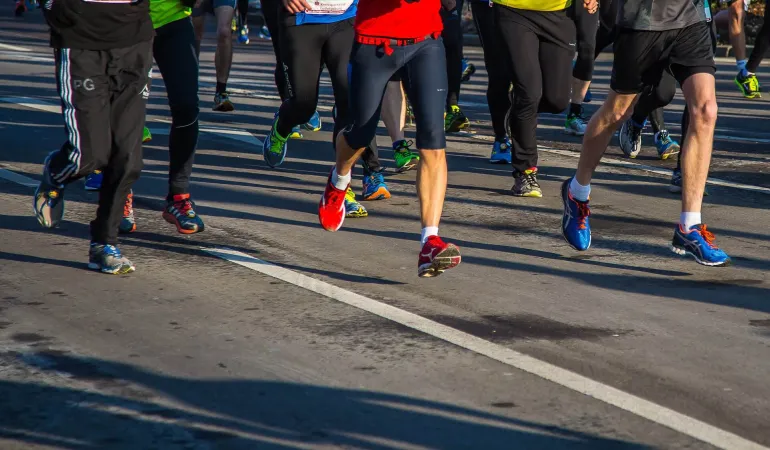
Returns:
(300, 339)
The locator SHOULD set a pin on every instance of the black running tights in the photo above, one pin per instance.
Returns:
(453, 44)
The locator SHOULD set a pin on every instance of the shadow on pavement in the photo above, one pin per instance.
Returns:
(253, 414)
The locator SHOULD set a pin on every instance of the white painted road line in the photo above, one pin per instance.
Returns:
(615, 397)
(33, 103)
(18, 179)
(238, 135)
(14, 48)
(637, 166)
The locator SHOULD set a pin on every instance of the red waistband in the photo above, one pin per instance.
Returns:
(389, 43)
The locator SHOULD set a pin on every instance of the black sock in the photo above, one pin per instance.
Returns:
(221, 87)
(575, 109)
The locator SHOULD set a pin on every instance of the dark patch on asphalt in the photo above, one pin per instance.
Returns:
(765, 323)
(524, 326)
(222, 365)
(503, 405)
(367, 368)
(29, 337)
(59, 293)
(735, 282)
(9, 298)
(34, 303)
(4, 325)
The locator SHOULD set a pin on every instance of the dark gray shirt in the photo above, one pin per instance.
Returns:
(660, 15)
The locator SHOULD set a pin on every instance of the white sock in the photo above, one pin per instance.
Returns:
(688, 219)
(741, 64)
(341, 182)
(428, 232)
(578, 191)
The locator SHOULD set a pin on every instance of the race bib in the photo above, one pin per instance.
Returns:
(329, 7)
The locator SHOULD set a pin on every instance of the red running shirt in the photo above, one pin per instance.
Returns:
(398, 19)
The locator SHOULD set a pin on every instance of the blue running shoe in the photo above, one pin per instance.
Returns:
(375, 187)
(243, 35)
(49, 200)
(666, 145)
(314, 124)
(588, 97)
(296, 133)
(94, 181)
(264, 33)
(575, 226)
(501, 152)
(468, 70)
(698, 242)
(108, 259)
(274, 148)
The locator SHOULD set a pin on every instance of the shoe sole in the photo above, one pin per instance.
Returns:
(122, 231)
(356, 215)
(122, 270)
(381, 194)
(146, 140)
(172, 220)
(682, 252)
(448, 258)
(407, 167)
(224, 107)
(529, 195)
(573, 132)
(669, 152)
(296, 135)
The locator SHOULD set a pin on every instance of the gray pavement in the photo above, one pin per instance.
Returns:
(193, 351)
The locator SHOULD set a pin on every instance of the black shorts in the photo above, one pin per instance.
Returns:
(641, 57)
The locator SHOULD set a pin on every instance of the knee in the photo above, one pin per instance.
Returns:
(224, 35)
(184, 115)
(554, 104)
(704, 115)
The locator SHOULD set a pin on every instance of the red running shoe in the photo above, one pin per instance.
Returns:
(436, 257)
(331, 210)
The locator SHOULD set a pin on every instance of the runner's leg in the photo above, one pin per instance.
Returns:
(173, 52)
(224, 10)
(453, 44)
(587, 25)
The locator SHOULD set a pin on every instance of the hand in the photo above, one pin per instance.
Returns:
(449, 5)
(591, 6)
(298, 6)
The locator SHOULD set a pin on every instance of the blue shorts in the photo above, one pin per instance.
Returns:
(208, 6)
(425, 81)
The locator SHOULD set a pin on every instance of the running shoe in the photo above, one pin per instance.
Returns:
(404, 157)
(49, 200)
(296, 133)
(243, 35)
(352, 207)
(264, 33)
(748, 85)
(375, 187)
(128, 223)
(630, 138)
(222, 102)
(698, 242)
(455, 120)
(181, 213)
(314, 124)
(468, 70)
(666, 145)
(108, 259)
(234, 25)
(676, 183)
(146, 135)
(575, 124)
(525, 184)
(94, 181)
(436, 257)
(274, 147)
(588, 97)
(501, 152)
(575, 226)
(331, 209)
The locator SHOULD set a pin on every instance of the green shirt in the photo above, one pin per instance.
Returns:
(164, 12)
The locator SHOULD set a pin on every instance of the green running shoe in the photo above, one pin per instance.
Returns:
(146, 135)
(455, 120)
(405, 158)
(274, 148)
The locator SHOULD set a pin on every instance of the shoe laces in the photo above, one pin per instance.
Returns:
(405, 146)
(707, 236)
(663, 137)
(184, 206)
(112, 251)
(583, 211)
(128, 207)
(377, 178)
(529, 177)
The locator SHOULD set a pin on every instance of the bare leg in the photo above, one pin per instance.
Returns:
(346, 155)
(737, 36)
(601, 127)
(431, 186)
(224, 55)
(700, 94)
(394, 110)
(579, 90)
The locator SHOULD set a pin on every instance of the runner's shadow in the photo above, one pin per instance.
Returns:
(253, 414)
